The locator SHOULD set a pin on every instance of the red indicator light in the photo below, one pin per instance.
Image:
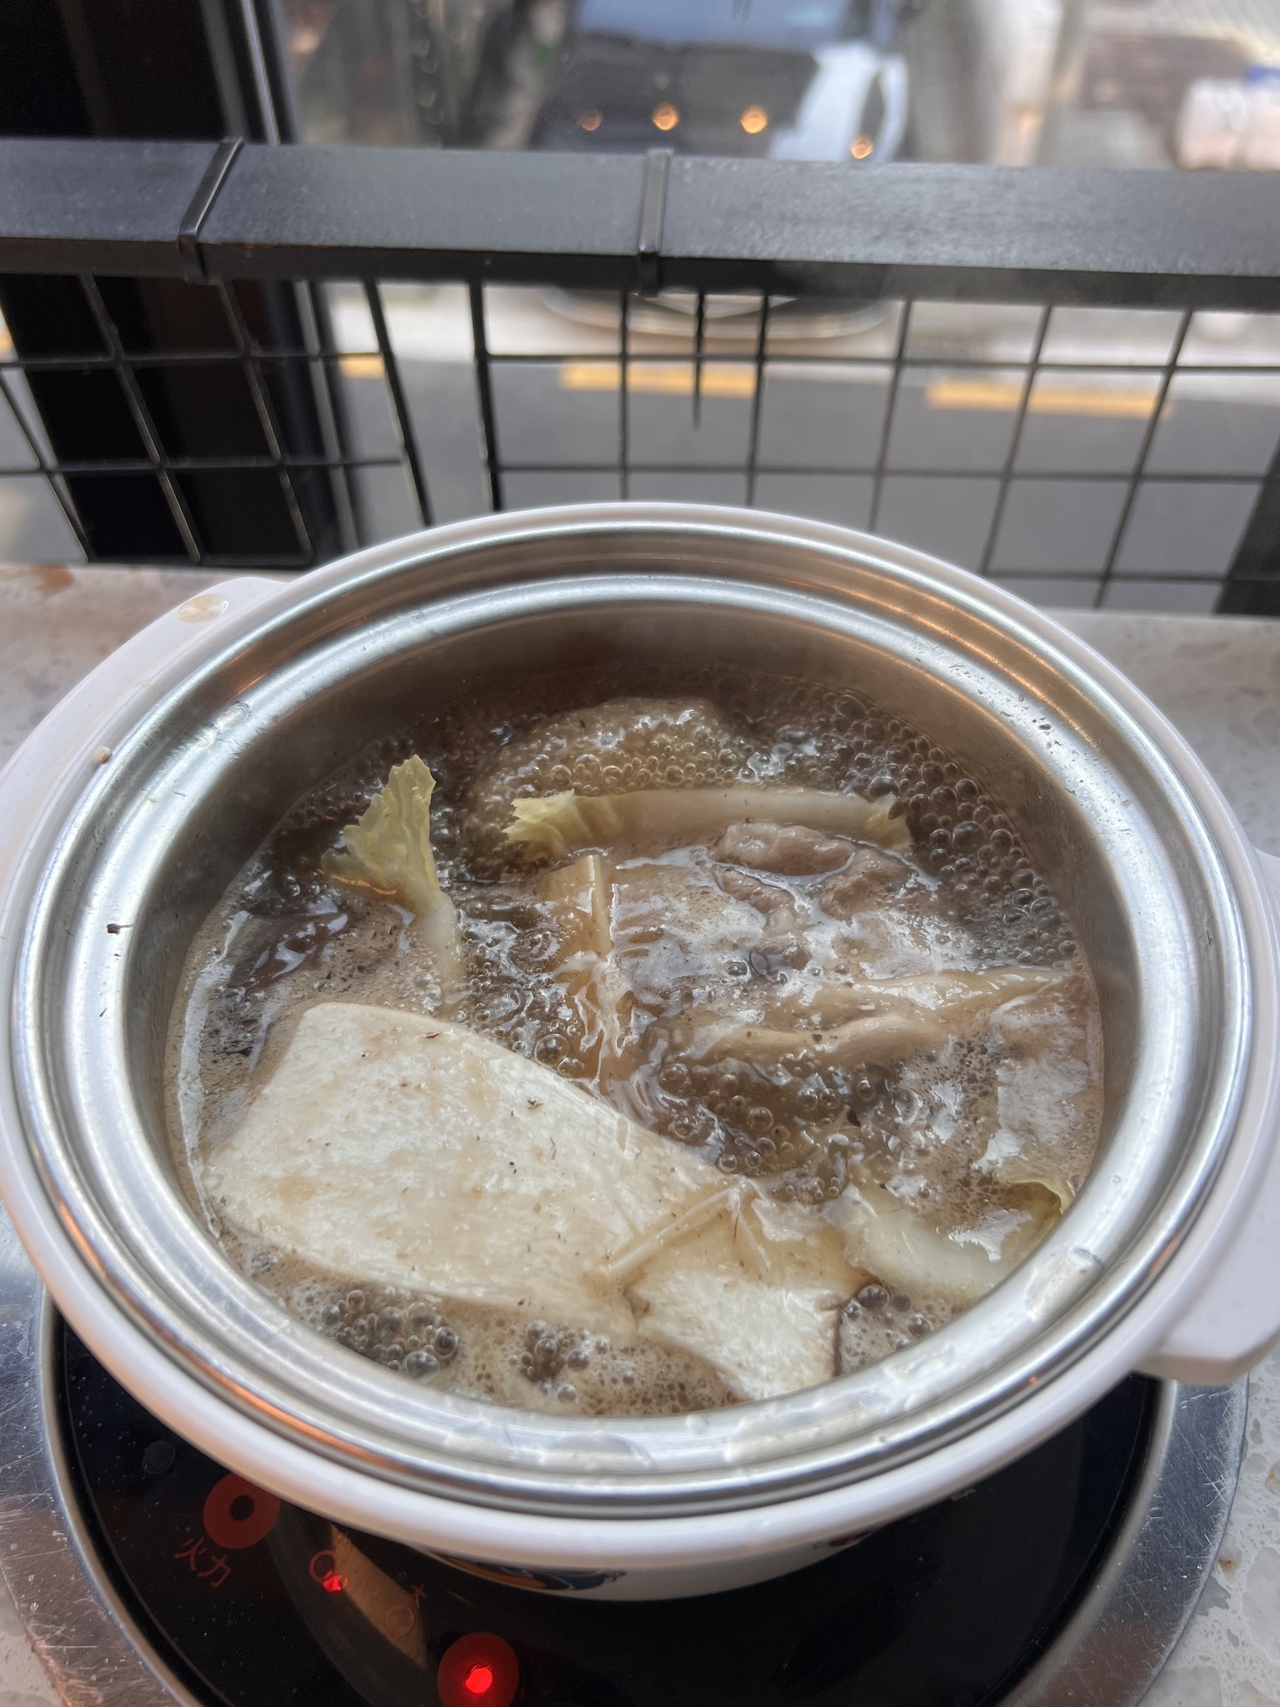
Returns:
(479, 1670)
(324, 1570)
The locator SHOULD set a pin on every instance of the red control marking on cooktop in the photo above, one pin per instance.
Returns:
(324, 1570)
(478, 1671)
(236, 1514)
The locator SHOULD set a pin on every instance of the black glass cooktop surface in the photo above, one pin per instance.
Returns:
(252, 1603)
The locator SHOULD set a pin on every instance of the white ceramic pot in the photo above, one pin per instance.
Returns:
(129, 810)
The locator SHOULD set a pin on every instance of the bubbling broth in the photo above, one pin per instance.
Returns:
(695, 1040)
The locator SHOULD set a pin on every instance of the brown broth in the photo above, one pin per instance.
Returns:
(753, 923)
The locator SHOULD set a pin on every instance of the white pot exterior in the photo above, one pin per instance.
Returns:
(1208, 1315)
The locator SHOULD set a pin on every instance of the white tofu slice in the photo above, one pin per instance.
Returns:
(765, 1315)
(414, 1152)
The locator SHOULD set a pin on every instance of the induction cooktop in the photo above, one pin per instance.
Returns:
(147, 1573)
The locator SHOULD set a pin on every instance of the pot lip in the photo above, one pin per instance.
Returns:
(1144, 1320)
(582, 1542)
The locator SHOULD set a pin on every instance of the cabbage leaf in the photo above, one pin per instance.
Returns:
(579, 898)
(895, 1244)
(1013, 1163)
(389, 851)
(554, 826)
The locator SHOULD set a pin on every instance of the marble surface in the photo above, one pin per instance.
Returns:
(1216, 678)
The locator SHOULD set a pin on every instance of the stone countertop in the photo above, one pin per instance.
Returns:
(1216, 678)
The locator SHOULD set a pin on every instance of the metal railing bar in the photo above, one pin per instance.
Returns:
(757, 399)
(313, 317)
(653, 202)
(265, 412)
(745, 356)
(143, 422)
(1114, 236)
(187, 358)
(709, 358)
(1032, 476)
(1256, 560)
(1107, 243)
(1148, 439)
(198, 208)
(230, 464)
(147, 358)
(247, 357)
(886, 426)
(199, 465)
(45, 468)
(1015, 439)
(1126, 577)
(260, 74)
(400, 405)
(624, 304)
(699, 341)
(712, 358)
(484, 395)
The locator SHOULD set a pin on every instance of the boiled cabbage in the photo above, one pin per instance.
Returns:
(579, 898)
(581, 901)
(389, 850)
(1015, 1163)
(553, 826)
(957, 1268)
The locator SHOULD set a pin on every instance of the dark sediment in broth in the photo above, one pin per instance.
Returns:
(756, 917)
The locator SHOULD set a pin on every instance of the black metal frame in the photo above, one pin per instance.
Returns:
(975, 233)
(632, 225)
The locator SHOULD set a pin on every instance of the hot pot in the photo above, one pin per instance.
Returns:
(132, 806)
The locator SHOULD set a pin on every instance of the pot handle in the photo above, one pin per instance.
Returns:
(1235, 1321)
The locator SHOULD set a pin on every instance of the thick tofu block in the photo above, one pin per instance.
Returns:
(416, 1153)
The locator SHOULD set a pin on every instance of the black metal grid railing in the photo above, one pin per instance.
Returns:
(1140, 458)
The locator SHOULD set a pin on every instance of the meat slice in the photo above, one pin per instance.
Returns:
(766, 898)
(888, 1018)
(413, 1152)
(790, 850)
(869, 880)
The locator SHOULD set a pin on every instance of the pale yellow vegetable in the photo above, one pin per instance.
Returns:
(389, 850)
(1050, 1072)
(1012, 1162)
(885, 1236)
(553, 826)
(580, 900)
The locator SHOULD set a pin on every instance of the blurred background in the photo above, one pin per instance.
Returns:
(1157, 83)
(1082, 456)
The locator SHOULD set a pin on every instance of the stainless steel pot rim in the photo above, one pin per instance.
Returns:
(237, 1343)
